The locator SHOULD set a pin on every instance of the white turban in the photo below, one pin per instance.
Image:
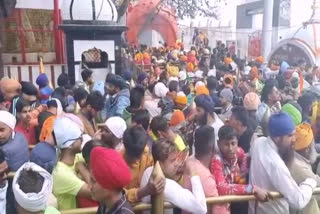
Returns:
(182, 75)
(160, 90)
(8, 119)
(33, 202)
(117, 126)
(199, 74)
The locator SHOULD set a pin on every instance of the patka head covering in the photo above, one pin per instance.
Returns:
(42, 80)
(44, 155)
(177, 118)
(202, 90)
(109, 169)
(227, 94)
(66, 132)
(29, 89)
(142, 76)
(304, 136)
(160, 90)
(294, 113)
(251, 101)
(205, 101)
(280, 124)
(180, 99)
(8, 119)
(33, 202)
(117, 126)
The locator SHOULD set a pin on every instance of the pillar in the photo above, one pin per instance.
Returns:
(267, 28)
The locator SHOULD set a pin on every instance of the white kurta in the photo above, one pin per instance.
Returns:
(193, 202)
(269, 172)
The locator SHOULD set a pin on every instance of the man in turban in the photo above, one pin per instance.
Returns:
(206, 116)
(109, 175)
(32, 187)
(10, 88)
(112, 132)
(305, 156)
(270, 158)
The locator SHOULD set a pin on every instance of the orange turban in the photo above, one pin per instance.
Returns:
(228, 81)
(47, 128)
(202, 90)
(181, 100)
(255, 72)
(227, 60)
(190, 67)
(177, 118)
(260, 59)
(304, 136)
(183, 58)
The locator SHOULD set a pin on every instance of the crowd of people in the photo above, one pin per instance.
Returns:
(216, 125)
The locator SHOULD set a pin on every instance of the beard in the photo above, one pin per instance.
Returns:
(202, 120)
(286, 154)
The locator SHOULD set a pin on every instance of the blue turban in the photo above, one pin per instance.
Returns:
(206, 102)
(42, 80)
(142, 76)
(281, 124)
(44, 155)
(284, 67)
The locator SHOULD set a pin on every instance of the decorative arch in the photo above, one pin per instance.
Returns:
(148, 15)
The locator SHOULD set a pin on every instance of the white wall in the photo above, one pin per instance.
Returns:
(36, 4)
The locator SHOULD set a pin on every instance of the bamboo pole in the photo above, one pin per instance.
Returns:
(157, 201)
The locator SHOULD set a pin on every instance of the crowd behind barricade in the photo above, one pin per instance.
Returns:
(217, 125)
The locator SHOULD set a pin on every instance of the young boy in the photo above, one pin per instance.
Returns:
(23, 109)
(109, 174)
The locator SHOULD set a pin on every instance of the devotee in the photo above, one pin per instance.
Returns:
(306, 101)
(14, 145)
(45, 89)
(119, 97)
(268, 169)
(226, 97)
(270, 98)
(112, 132)
(23, 109)
(80, 97)
(4, 185)
(251, 102)
(143, 80)
(87, 78)
(292, 110)
(10, 88)
(109, 175)
(152, 100)
(300, 167)
(239, 120)
(29, 93)
(141, 118)
(161, 129)
(205, 114)
(32, 186)
(137, 155)
(229, 167)
(200, 162)
(171, 163)
(94, 104)
(212, 85)
(136, 103)
(52, 110)
(66, 184)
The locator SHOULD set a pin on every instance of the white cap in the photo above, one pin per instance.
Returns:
(247, 70)
(8, 119)
(66, 132)
(191, 74)
(180, 93)
(199, 74)
(212, 73)
(182, 75)
(117, 126)
(160, 90)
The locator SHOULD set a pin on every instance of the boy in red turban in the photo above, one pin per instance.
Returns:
(109, 175)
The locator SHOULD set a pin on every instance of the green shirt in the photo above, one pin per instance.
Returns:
(66, 185)
(51, 210)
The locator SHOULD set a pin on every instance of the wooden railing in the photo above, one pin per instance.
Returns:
(210, 201)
